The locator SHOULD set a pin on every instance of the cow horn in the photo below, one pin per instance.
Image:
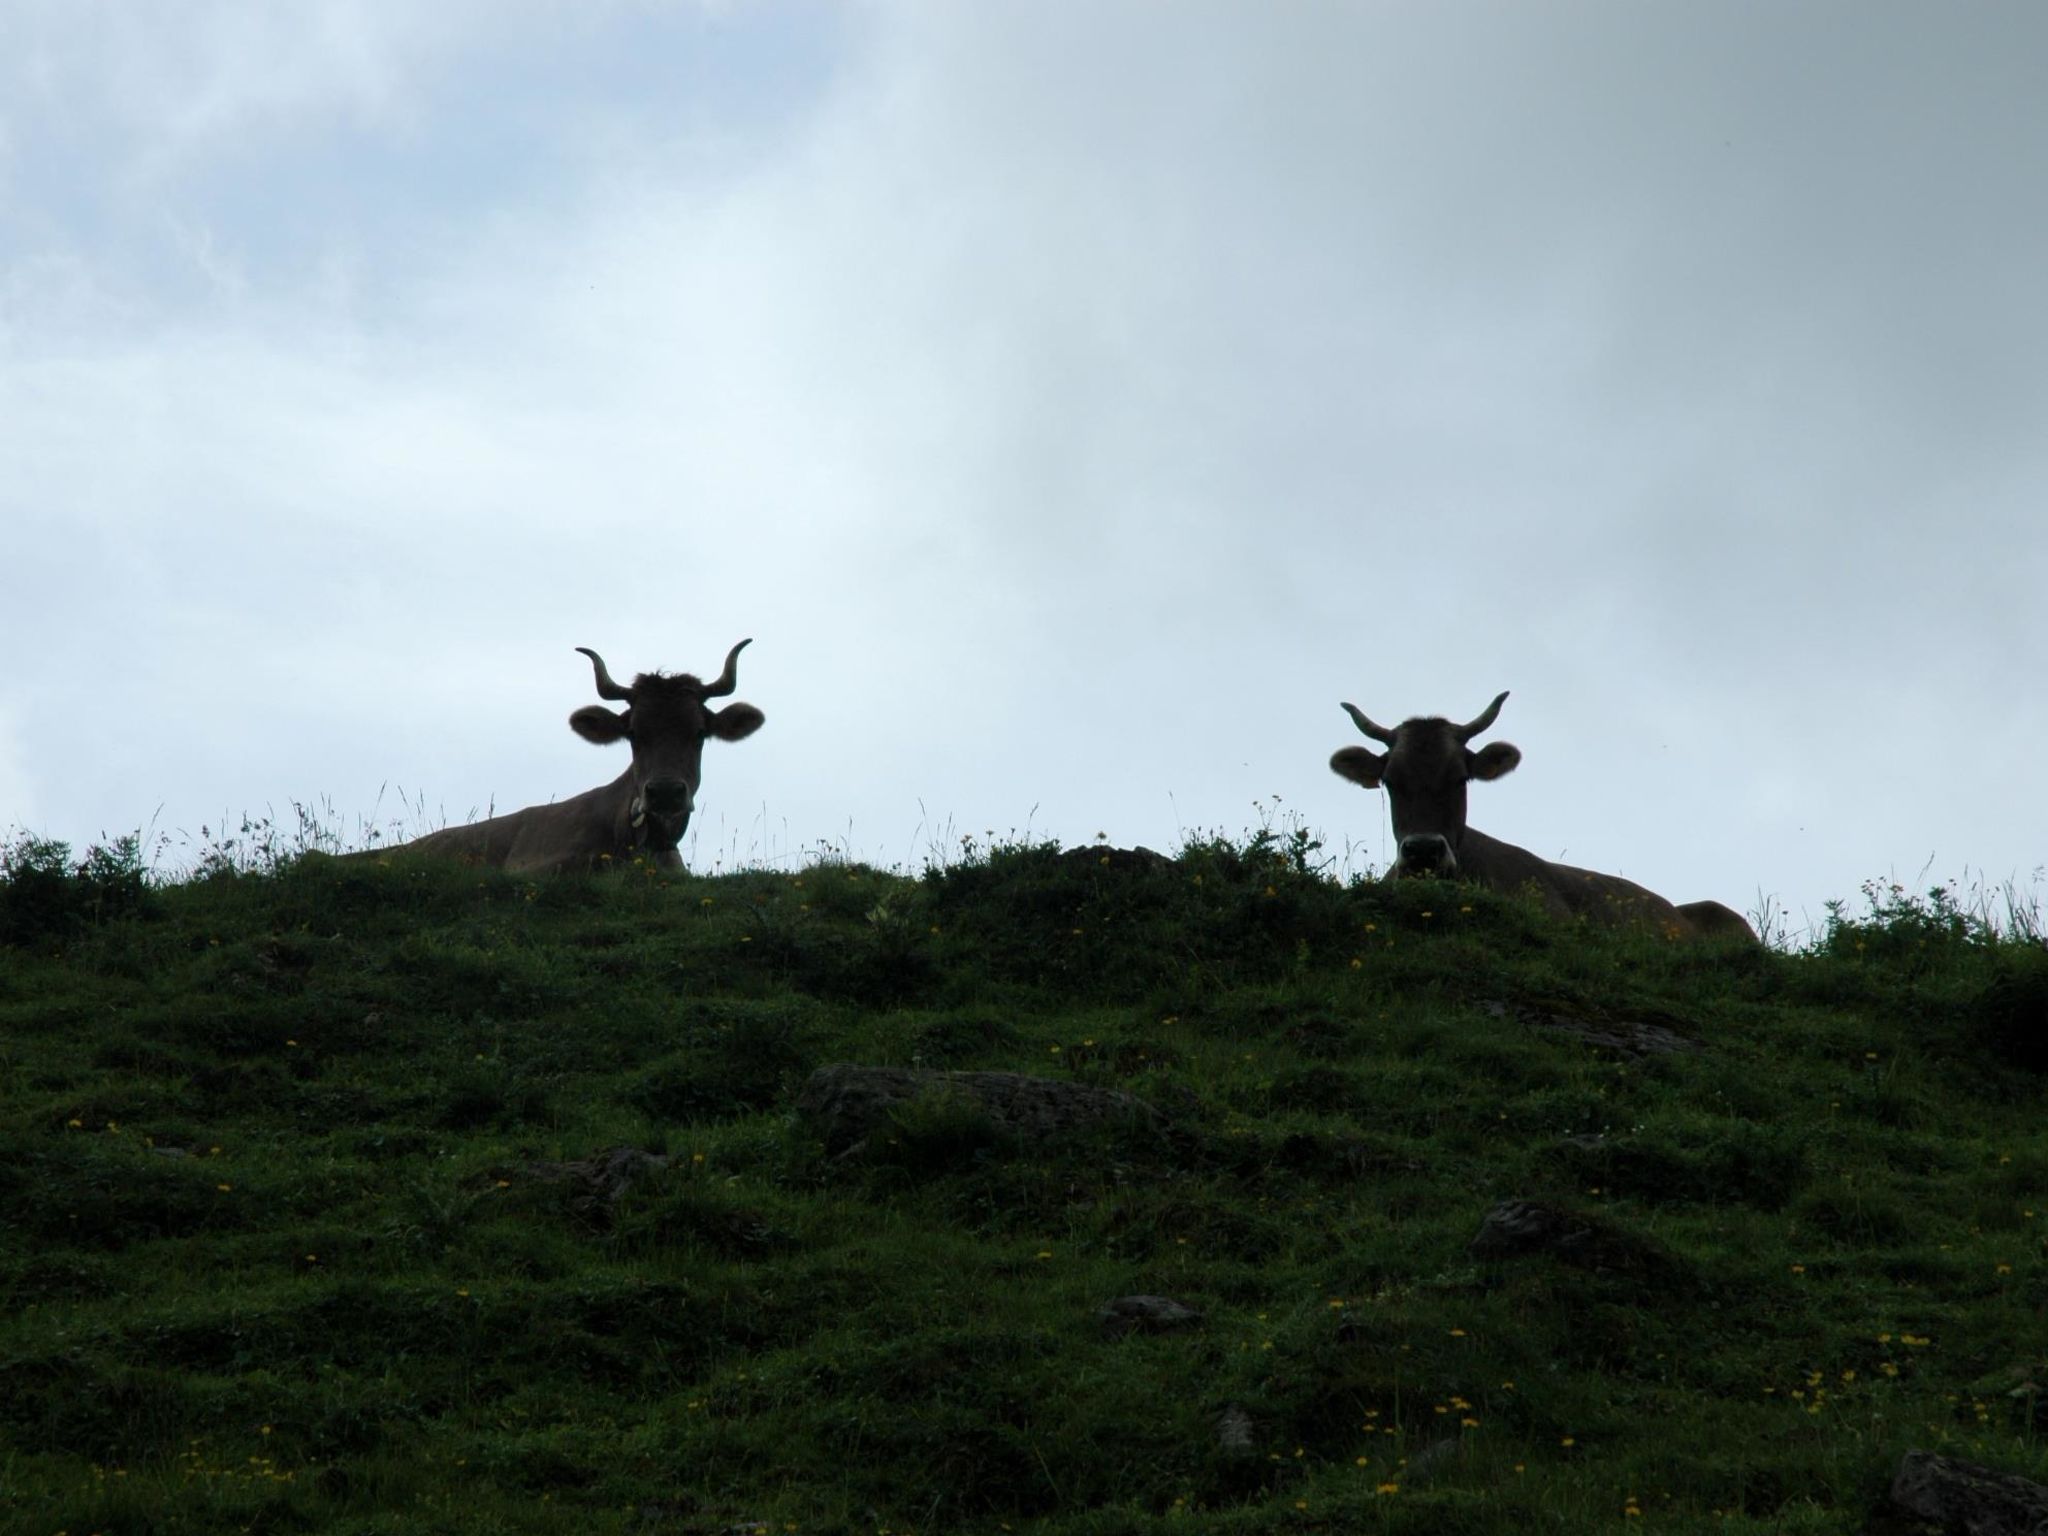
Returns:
(1486, 718)
(1378, 733)
(606, 688)
(729, 679)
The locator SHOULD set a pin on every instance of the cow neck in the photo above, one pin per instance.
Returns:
(651, 832)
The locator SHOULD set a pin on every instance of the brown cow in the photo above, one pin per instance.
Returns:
(1425, 771)
(640, 814)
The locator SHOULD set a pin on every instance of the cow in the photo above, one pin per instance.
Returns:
(640, 814)
(1425, 770)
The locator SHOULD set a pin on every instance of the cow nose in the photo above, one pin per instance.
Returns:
(668, 797)
(1427, 853)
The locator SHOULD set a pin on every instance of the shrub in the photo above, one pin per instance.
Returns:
(45, 896)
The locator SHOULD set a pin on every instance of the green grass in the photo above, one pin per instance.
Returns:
(280, 1251)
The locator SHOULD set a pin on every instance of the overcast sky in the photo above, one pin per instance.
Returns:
(1073, 401)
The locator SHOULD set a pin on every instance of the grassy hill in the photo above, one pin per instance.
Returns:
(362, 1198)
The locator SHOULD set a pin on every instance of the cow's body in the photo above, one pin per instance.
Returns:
(643, 813)
(585, 831)
(1425, 772)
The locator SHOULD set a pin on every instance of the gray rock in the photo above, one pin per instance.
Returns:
(1146, 1314)
(1234, 1432)
(848, 1101)
(1625, 1037)
(1960, 1498)
(1516, 1228)
(597, 1182)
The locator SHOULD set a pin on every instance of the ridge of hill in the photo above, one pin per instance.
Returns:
(1200, 1194)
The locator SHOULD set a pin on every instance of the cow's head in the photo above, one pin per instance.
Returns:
(1425, 770)
(667, 721)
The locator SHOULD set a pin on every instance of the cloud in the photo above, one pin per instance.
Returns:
(1073, 408)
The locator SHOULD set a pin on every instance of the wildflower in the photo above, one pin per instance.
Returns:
(1388, 1488)
(223, 1188)
(1457, 1333)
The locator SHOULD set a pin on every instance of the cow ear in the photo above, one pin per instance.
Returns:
(593, 722)
(1359, 766)
(735, 722)
(1495, 759)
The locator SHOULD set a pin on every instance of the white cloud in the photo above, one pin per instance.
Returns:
(1074, 409)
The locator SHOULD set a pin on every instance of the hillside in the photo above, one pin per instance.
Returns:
(362, 1198)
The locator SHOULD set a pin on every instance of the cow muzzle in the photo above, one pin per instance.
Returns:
(1427, 855)
(668, 798)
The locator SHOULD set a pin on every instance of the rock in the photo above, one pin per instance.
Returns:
(849, 1101)
(1960, 1498)
(1234, 1432)
(1516, 1228)
(597, 1182)
(1423, 1464)
(1625, 1037)
(1146, 1314)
